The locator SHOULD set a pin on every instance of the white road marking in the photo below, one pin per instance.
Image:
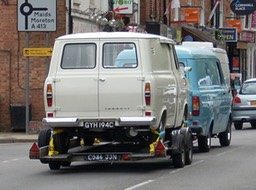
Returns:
(222, 153)
(139, 185)
(13, 160)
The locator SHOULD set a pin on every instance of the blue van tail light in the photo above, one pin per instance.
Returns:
(147, 94)
(195, 105)
(49, 95)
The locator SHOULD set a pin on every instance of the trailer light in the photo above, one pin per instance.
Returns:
(160, 149)
(34, 152)
(126, 157)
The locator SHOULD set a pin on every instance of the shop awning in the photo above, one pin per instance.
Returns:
(199, 35)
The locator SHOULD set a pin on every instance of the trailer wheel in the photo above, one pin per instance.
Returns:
(55, 165)
(65, 163)
(44, 137)
(178, 159)
(43, 140)
(189, 149)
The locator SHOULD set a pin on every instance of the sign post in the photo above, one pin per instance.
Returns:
(35, 16)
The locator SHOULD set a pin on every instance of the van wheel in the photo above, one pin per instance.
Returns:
(61, 143)
(225, 137)
(238, 125)
(204, 143)
(253, 124)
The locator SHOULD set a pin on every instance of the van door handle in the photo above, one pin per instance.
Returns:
(102, 80)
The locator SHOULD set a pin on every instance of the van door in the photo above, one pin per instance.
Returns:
(120, 80)
(76, 81)
(222, 98)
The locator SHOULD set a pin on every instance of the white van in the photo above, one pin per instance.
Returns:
(221, 54)
(123, 88)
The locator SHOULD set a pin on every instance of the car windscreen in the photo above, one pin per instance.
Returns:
(248, 88)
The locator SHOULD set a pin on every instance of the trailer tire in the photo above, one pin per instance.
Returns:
(178, 159)
(44, 137)
(189, 148)
(54, 165)
(43, 140)
(65, 163)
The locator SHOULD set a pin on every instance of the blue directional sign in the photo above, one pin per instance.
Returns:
(37, 15)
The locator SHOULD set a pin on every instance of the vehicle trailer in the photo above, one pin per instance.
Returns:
(112, 96)
(57, 149)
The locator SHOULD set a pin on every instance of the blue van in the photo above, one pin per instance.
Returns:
(209, 100)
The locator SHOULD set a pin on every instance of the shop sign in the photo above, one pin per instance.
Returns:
(192, 15)
(247, 36)
(243, 7)
(236, 24)
(254, 19)
(229, 34)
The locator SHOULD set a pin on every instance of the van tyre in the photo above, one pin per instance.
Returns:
(238, 125)
(204, 143)
(43, 140)
(61, 143)
(225, 137)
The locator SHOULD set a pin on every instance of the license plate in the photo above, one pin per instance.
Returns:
(102, 157)
(253, 103)
(99, 124)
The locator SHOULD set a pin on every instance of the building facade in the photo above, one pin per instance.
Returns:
(198, 20)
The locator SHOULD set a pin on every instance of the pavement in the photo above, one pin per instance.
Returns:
(15, 137)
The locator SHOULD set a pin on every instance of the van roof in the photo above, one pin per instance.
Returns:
(193, 52)
(204, 45)
(115, 35)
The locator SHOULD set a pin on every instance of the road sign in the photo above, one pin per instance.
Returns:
(37, 52)
(37, 15)
(123, 6)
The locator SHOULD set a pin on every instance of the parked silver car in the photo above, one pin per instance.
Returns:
(244, 104)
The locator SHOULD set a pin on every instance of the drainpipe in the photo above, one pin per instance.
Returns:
(70, 24)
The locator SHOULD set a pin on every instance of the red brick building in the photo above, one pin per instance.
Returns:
(12, 63)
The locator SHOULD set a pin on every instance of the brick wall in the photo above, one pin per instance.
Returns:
(12, 62)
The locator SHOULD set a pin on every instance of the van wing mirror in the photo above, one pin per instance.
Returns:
(187, 69)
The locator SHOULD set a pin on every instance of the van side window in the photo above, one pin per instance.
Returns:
(208, 74)
(119, 55)
(79, 56)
